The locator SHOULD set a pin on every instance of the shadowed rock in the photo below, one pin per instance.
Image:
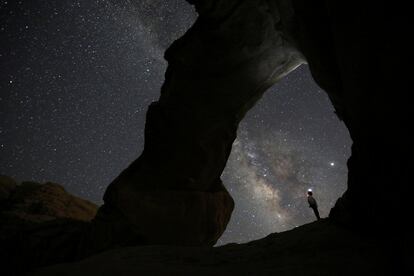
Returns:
(316, 249)
(40, 224)
(216, 73)
(34, 202)
(172, 194)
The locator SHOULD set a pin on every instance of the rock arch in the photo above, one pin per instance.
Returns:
(217, 71)
(172, 194)
(237, 49)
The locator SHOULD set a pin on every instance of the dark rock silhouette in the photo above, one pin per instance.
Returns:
(40, 224)
(320, 248)
(172, 194)
(221, 67)
(216, 73)
(342, 46)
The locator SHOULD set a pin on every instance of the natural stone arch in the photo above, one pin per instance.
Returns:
(217, 71)
(173, 194)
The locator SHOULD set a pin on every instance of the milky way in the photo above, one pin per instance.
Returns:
(291, 141)
(76, 78)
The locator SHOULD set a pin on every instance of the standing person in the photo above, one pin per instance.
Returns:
(313, 204)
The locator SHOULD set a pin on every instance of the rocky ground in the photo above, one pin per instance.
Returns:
(319, 248)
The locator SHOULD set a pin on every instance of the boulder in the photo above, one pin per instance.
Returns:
(35, 202)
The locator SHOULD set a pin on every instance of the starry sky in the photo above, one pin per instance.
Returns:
(77, 76)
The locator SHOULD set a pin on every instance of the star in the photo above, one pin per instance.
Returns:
(90, 103)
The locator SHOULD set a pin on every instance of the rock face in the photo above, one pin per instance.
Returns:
(178, 217)
(349, 59)
(40, 224)
(34, 202)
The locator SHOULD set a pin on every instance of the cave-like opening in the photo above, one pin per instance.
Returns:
(290, 141)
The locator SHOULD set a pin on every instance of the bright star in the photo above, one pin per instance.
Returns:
(332, 164)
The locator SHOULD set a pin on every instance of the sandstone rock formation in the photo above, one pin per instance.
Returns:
(172, 194)
(220, 68)
(223, 64)
(216, 73)
(34, 202)
(343, 44)
(40, 224)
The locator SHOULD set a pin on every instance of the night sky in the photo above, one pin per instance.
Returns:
(76, 78)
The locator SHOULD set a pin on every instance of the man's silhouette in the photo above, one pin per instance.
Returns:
(313, 204)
